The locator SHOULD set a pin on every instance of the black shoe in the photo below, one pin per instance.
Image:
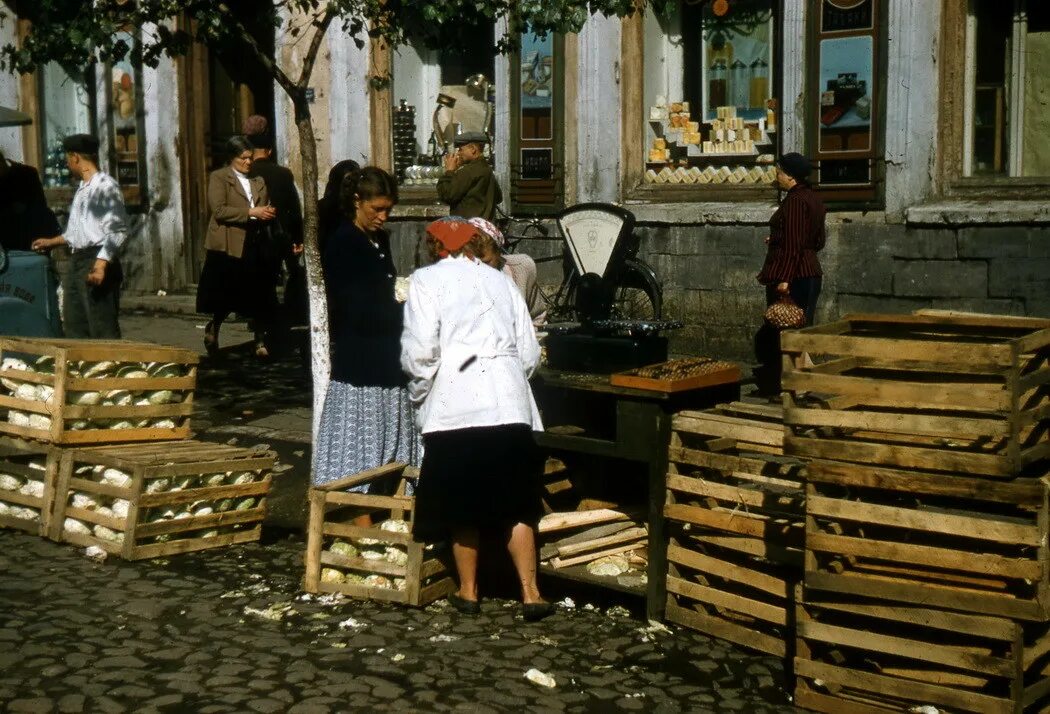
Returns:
(467, 607)
(211, 339)
(535, 611)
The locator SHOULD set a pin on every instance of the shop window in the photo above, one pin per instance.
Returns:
(537, 167)
(709, 89)
(845, 105)
(66, 106)
(438, 94)
(1007, 80)
(125, 125)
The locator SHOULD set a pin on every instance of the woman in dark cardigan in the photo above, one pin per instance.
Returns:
(796, 235)
(367, 420)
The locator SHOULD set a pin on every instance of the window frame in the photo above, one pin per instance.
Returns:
(956, 118)
(136, 196)
(870, 196)
(634, 113)
(557, 140)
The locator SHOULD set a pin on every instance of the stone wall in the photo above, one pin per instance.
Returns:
(708, 273)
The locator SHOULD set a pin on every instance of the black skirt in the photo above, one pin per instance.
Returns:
(482, 477)
(245, 285)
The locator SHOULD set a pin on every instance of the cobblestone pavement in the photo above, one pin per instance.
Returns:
(230, 631)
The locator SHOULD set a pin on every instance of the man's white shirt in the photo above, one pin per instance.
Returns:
(97, 217)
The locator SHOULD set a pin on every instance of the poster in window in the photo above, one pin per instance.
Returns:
(847, 15)
(124, 112)
(845, 93)
(537, 86)
(738, 54)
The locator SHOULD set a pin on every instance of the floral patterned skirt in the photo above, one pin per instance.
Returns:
(362, 428)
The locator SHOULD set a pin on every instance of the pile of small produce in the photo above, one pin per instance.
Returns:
(369, 549)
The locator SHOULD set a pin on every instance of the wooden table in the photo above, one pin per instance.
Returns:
(621, 423)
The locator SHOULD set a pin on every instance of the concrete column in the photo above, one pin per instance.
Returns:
(349, 117)
(911, 106)
(598, 110)
(502, 78)
(10, 138)
(793, 94)
(161, 236)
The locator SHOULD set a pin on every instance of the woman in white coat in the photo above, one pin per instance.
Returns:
(469, 348)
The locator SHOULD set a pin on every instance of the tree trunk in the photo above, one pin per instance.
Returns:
(319, 350)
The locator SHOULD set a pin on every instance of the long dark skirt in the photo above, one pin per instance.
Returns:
(245, 285)
(482, 477)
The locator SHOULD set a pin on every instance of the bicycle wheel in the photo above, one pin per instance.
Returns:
(638, 294)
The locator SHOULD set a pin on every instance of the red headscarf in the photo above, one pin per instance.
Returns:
(452, 233)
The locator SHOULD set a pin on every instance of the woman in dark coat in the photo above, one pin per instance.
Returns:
(241, 268)
(796, 235)
(368, 419)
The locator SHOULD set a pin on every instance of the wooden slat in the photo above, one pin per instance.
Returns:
(900, 422)
(712, 596)
(901, 394)
(927, 594)
(363, 564)
(344, 530)
(726, 630)
(970, 659)
(927, 521)
(775, 586)
(1020, 492)
(189, 545)
(363, 477)
(741, 429)
(193, 523)
(928, 459)
(986, 564)
(907, 690)
(738, 522)
(980, 356)
(767, 501)
(996, 628)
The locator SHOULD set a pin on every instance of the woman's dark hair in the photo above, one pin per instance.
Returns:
(237, 145)
(364, 185)
(328, 213)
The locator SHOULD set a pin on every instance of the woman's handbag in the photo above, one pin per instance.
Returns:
(785, 314)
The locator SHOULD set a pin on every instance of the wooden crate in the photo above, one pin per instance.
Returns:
(952, 542)
(417, 573)
(863, 656)
(958, 394)
(27, 485)
(734, 524)
(68, 399)
(179, 497)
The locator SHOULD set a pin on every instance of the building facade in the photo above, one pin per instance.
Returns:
(926, 119)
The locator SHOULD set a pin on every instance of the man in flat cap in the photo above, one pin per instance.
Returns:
(96, 231)
(469, 187)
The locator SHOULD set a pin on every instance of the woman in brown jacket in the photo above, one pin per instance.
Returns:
(241, 268)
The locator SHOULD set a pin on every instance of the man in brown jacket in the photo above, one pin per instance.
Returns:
(469, 187)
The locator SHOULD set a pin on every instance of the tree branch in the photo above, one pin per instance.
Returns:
(315, 46)
(269, 63)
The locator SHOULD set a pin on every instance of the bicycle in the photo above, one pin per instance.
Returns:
(633, 291)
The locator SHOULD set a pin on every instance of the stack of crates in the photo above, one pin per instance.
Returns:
(94, 450)
(926, 512)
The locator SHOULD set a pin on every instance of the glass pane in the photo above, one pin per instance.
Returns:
(437, 95)
(67, 110)
(1036, 147)
(991, 87)
(708, 86)
(846, 85)
(537, 86)
(737, 57)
